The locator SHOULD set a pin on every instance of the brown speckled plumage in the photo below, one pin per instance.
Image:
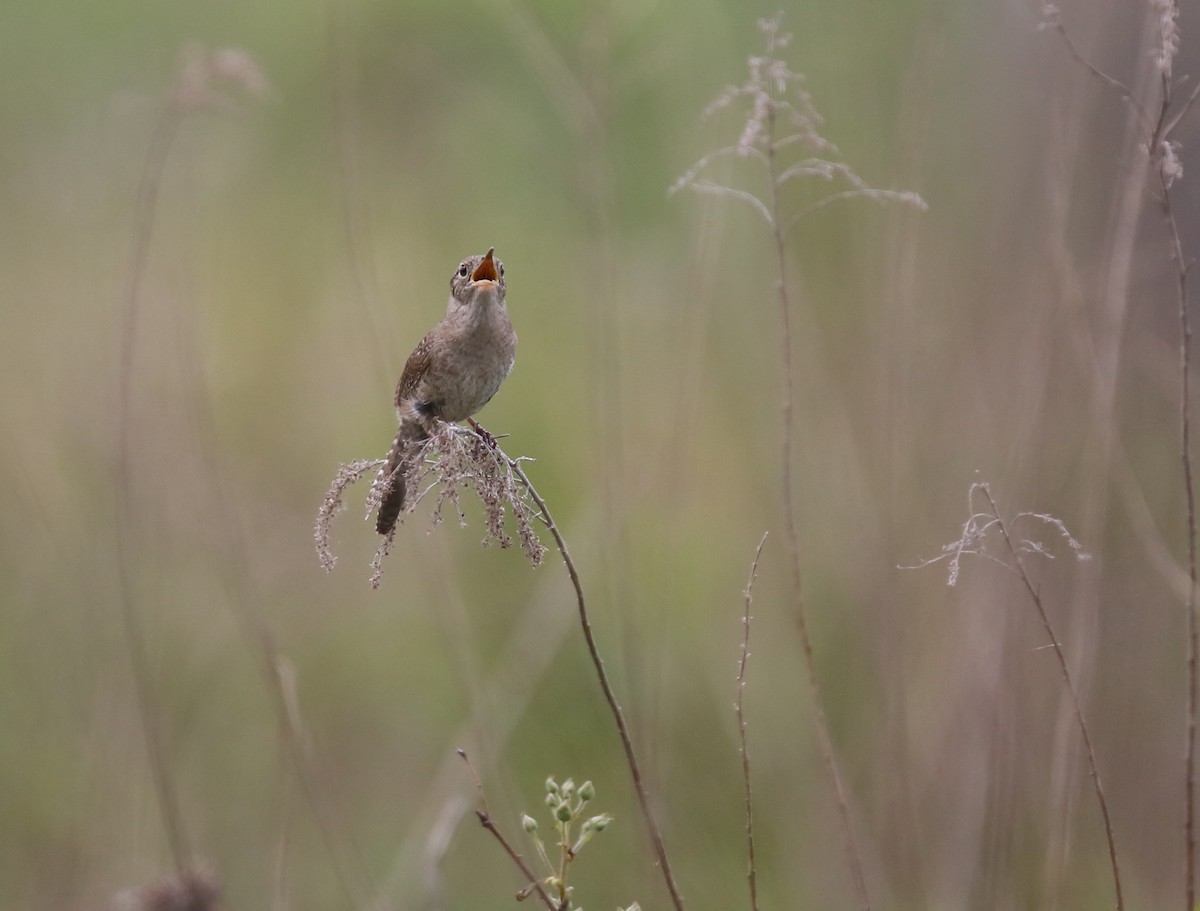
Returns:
(453, 372)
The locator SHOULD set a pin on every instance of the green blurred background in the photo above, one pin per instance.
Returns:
(1022, 331)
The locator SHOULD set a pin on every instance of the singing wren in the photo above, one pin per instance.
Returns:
(451, 374)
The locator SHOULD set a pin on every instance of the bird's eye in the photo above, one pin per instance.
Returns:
(502, 270)
(462, 270)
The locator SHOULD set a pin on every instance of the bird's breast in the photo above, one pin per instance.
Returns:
(473, 366)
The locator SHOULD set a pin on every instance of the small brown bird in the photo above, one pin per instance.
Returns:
(452, 373)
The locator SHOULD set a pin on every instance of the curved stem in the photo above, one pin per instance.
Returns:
(484, 815)
(1085, 734)
(144, 209)
(610, 697)
(748, 794)
(1193, 626)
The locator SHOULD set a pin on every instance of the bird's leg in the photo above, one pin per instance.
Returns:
(488, 440)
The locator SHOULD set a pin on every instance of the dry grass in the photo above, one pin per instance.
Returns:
(453, 459)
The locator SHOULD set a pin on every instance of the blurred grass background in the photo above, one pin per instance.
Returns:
(302, 244)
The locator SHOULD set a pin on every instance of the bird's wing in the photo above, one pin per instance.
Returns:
(414, 372)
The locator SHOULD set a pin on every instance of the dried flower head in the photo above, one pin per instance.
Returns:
(781, 115)
(333, 504)
(1166, 49)
(983, 526)
(1169, 162)
(454, 458)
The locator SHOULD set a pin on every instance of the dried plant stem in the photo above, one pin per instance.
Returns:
(1076, 706)
(824, 739)
(751, 873)
(485, 820)
(635, 770)
(774, 99)
(1161, 146)
(165, 129)
(1115, 84)
(1161, 154)
(1169, 125)
(1163, 151)
(1193, 623)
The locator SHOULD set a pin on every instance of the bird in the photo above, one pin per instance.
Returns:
(452, 373)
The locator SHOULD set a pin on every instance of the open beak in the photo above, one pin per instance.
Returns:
(486, 270)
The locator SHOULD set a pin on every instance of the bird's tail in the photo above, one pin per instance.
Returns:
(393, 477)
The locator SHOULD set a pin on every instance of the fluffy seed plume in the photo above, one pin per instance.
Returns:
(453, 459)
(781, 119)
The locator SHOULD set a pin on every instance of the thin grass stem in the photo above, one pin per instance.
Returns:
(1068, 680)
(787, 384)
(165, 129)
(635, 770)
(1190, 606)
(748, 793)
(1162, 157)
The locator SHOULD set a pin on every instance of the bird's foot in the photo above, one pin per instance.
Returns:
(488, 440)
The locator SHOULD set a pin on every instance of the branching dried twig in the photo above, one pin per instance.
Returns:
(485, 820)
(974, 540)
(1052, 20)
(751, 873)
